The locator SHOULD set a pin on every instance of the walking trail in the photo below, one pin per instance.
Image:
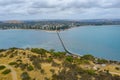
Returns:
(13, 72)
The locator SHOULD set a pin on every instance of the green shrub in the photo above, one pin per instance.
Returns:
(36, 62)
(69, 59)
(2, 67)
(1, 55)
(1, 50)
(11, 56)
(23, 66)
(12, 63)
(117, 68)
(46, 78)
(52, 70)
(59, 54)
(13, 48)
(30, 68)
(42, 71)
(7, 71)
(102, 61)
(39, 51)
(25, 76)
(51, 50)
(49, 59)
(90, 72)
(19, 60)
(55, 64)
(85, 61)
(88, 57)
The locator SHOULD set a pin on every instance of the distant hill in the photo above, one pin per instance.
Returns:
(99, 20)
(13, 21)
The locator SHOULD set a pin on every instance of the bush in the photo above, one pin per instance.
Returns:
(23, 66)
(1, 55)
(102, 61)
(59, 54)
(30, 68)
(54, 64)
(7, 71)
(2, 67)
(39, 51)
(1, 50)
(25, 76)
(85, 62)
(42, 71)
(117, 68)
(88, 57)
(69, 59)
(36, 63)
(49, 60)
(52, 70)
(51, 50)
(12, 63)
(11, 56)
(13, 48)
(46, 78)
(19, 60)
(90, 72)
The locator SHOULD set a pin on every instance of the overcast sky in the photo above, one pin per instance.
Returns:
(59, 9)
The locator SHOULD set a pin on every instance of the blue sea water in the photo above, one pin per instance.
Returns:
(100, 41)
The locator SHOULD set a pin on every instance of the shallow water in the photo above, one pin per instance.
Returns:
(100, 41)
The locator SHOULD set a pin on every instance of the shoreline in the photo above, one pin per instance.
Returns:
(33, 60)
(52, 31)
(74, 54)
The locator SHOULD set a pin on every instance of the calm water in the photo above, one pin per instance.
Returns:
(100, 41)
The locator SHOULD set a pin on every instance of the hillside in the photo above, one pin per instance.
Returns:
(40, 64)
(13, 22)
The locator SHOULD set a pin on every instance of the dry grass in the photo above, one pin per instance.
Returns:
(46, 66)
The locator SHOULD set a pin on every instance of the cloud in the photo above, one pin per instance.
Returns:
(10, 2)
(57, 7)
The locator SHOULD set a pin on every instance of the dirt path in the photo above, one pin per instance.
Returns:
(13, 72)
(115, 73)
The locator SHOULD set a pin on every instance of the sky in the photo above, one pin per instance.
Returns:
(59, 9)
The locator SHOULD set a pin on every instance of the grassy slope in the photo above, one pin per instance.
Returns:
(50, 65)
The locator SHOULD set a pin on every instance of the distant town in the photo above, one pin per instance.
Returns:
(55, 24)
